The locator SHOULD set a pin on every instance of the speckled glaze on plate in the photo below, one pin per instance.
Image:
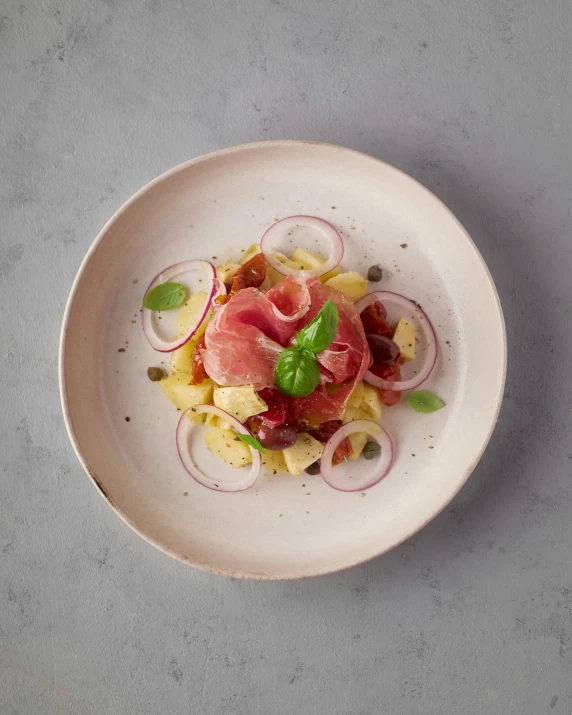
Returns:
(283, 527)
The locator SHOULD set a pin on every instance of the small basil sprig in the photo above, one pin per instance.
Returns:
(297, 372)
(252, 441)
(320, 332)
(165, 296)
(424, 401)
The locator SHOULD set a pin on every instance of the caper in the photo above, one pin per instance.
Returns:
(155, 374)
(371, 450)
(374, 274)
(313, 468)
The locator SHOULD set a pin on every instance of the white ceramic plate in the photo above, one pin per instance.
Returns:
(284, 527)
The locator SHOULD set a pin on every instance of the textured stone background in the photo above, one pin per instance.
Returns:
(473, 615)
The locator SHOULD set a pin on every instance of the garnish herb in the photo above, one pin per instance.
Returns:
(252, 441)
(165, 296)
(424, 401)
(320, 332)
(297, 372)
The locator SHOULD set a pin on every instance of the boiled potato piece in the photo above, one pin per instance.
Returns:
(350, 283)
(227, 271)
(331, 274)
(250, 252)
(356, 398)
(404, 337)
(294, 264)
(371, 402)
(191, 311)
(181, 359)
(241, 402)
(358, 440)
(184, 395)
(273, 276)
(274, 462)
(309, 260)
(224, 443)
(305, 451)
(306, 258)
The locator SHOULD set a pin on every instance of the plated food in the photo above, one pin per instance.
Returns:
(283, 361)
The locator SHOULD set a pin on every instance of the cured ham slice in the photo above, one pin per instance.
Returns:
(246, 335)
(342, 365)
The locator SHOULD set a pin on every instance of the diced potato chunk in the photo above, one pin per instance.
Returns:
(273, 276)
(305, 451)
(250, 252)
(371, 402)
(358, 440)
(181, 359)
(224, 443)
(331, 274)
(404, 337)
(183, 395)
(241, 402)
(191, 312)
(274, 462)
(307, 259)
(356, 398)
(227, 271)
(350, 283)
(294, 264)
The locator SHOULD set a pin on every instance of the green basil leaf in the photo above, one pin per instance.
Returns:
(165, 296)
(252, 441)
(424, 401)
(320, 333)
(297, 374)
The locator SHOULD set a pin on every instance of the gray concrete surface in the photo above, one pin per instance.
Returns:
(474, 614)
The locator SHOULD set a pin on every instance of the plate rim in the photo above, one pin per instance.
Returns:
(64, 332)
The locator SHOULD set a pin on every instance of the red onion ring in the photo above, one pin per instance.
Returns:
(167, 346)
(334, 476)
(184, 429)
(427, 329)
(291, 222)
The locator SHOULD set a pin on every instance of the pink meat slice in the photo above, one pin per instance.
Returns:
(342, 365)
(247, 334)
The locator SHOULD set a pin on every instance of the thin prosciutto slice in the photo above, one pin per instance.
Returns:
(342, 365)
(246, 335)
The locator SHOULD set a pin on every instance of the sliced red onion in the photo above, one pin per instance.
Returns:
(363, 478)
(167, 346)
(286, 224)
(184, 429)
(412, 310)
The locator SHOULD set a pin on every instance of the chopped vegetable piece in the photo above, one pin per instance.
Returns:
(350, 283)
(224, 444)
(197, 363)
(391, 373)
(404, 338)
(305, 451)
(241, 402)
(374, 320)
(251, 274)
(183, 394)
